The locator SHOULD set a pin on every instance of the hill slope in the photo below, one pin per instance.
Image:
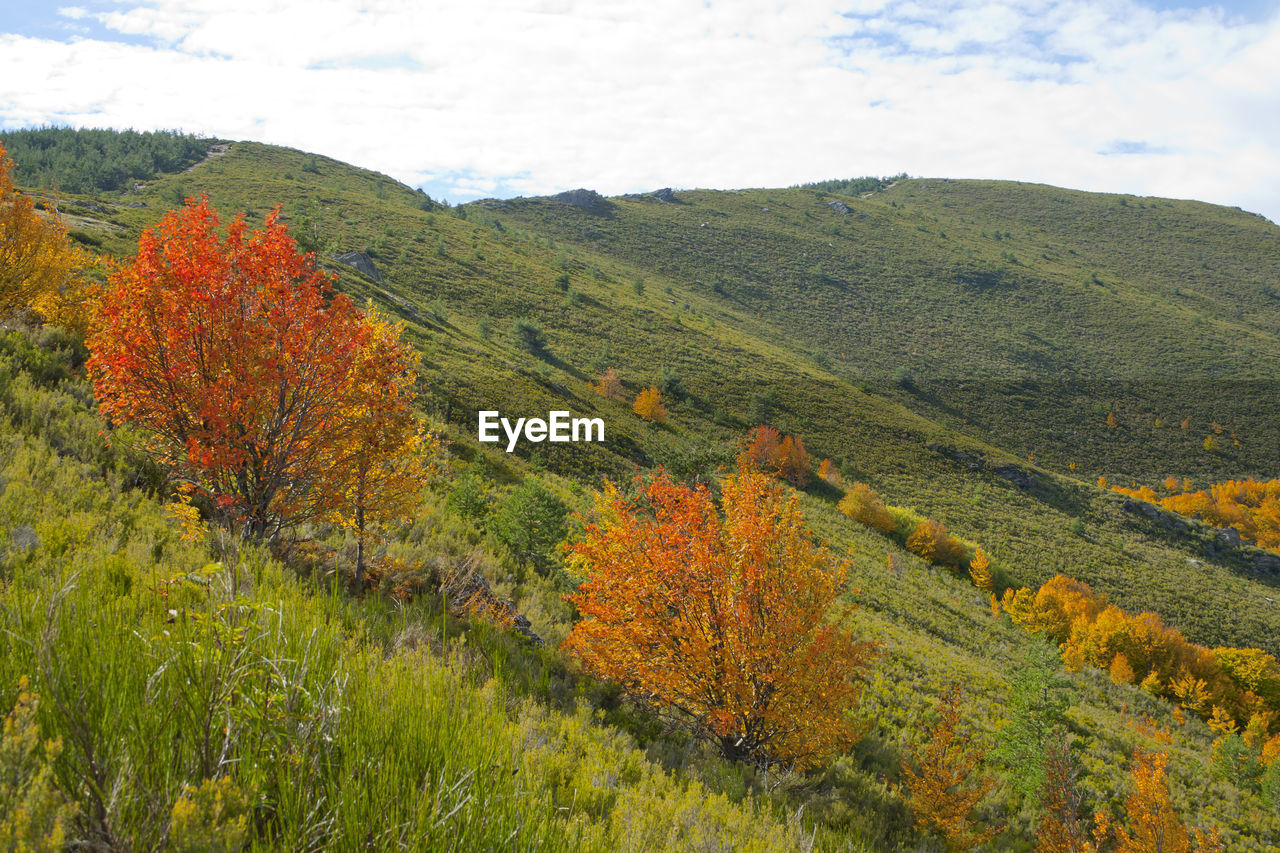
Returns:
(805, 316)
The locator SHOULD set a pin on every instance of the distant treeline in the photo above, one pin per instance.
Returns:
(88, 161)
(852, 186)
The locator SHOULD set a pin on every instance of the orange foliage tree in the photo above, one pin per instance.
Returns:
(828, 473)
(784, 455)
(762, 446)
(721, 624)
(1251, 506)
(1153, 824)
(940, 775)
(1061, 828)
(793, 461)
(931, 541)
(649, 405)
(1142, 649)
(250, 381)
(609, 385)
(980, 571)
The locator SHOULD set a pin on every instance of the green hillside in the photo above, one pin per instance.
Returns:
(928, 337)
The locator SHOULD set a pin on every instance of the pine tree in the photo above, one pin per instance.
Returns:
(1036, 707)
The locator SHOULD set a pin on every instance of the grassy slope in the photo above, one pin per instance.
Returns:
(1026, 311)
(507, 268)
(341, 720)
(490, 265)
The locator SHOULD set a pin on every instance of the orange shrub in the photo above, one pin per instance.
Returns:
(649, 406)
(931, 541)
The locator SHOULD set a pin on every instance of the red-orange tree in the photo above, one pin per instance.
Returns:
(720, 623)
(230, 354)
(785, 456)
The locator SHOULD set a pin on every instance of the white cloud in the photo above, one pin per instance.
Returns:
(621, 95)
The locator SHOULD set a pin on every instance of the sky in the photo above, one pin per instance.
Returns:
(528, 97)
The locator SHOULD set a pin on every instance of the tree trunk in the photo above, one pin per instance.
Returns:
(359, 548)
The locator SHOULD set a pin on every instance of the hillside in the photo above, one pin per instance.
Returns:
(929, 337)
(455, 273)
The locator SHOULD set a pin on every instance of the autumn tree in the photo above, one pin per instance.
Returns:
(762, 446)
(39, 265)
(782, 455)
(1121, 670)
(793, 461)
(724, 624)
(247, 376)
(829, 473)
(649, 405)
(387, 457)
(1061, 829)
(931, 541)
(609, 385)
(941, 776)
(1151, 824)
(980, 571)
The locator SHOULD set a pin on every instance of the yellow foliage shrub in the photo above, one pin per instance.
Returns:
(864, 506)
(210, 818)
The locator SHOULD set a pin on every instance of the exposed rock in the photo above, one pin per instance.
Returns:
(360, 262)
(525, 629)
(585, 199)
(972, 462)
(469, 595)
(1229, 537)
(665, 195)
(1015, 475)
(407, 307)
(1267, 563)
(1167, 520)
(839, 207)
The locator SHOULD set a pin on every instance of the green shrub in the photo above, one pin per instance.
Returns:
(527, 335)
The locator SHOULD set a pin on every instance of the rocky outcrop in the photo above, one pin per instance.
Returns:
(407, 308)
(839, 207)
(1015, 475)
(360, 262)
(1166, 520)
(971, 461)
(585, 199)
(665, 195)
